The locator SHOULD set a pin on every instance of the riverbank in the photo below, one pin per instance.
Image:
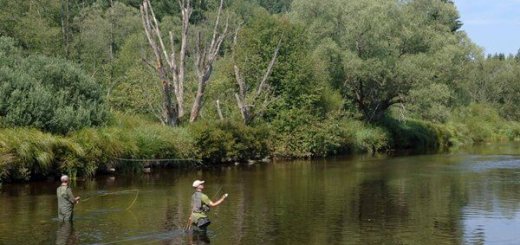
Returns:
(27, 154)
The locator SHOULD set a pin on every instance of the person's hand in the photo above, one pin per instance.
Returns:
(225, 195)
(77, 199)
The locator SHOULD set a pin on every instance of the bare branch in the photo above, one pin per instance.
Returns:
(269, 69)
(240, 106)
(211, 46)
(240, 81)
(219, 111)
(148, 63)
(158, 34)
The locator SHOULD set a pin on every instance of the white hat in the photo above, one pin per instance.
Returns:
(196, 183)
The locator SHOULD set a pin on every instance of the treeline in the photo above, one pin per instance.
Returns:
(84, 83)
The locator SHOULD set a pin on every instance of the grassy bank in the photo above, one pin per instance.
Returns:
(29, 153)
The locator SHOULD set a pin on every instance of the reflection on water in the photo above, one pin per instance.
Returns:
(65, 234)
(464, 198)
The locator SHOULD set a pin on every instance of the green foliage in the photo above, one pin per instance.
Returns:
(50, 94)
(431, 103)
(35, 25)
(26, 153)
(495, 81)
(299, 134)
(275, 6)
(105, 147)
(368, 138)
(102, 31)
(134, 87)
(229, 141)
(417, 135)
(292, 80)
(387, 47)
(479, 123)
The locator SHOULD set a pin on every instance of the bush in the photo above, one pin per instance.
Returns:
(417, 135)
(299, 134)
(368, 138)
(479, 123)
(50, 94)
(224, 141)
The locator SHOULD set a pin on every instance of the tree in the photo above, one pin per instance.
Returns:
(171, 69)
(387, 47)
(248, 96)
(102, 31)
(35, 25)
(275, 6)
(495, 81)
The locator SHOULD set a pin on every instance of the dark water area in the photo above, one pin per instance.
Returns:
(471, 196)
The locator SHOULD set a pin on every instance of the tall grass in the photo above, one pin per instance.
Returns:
(28, 153)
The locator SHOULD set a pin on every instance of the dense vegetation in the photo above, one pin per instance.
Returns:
(82, 86)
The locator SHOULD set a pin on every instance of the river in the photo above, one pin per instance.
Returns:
(471, 196)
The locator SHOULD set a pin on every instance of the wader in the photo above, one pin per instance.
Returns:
(65, 203)
(199, 209)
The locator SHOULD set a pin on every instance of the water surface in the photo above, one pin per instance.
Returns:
(469, 197)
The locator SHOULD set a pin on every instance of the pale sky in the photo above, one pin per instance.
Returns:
(492, 24)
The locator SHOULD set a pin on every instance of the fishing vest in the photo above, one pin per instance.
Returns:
(197, 205)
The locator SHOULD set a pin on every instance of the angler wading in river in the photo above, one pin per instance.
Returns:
(66, 200)
(200, 206)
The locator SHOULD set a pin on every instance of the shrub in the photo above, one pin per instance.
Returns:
(50, 94)
(479, 123)
(228, 141)
(368, 138)
(298, 134)
(417, 135)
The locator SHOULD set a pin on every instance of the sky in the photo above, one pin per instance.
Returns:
(492, 24)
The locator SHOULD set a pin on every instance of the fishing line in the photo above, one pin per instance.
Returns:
(108, 193)
(135, 199)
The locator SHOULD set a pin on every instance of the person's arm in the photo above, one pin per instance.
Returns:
(213, 204)
(71, 197)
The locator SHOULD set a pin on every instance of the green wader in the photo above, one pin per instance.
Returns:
(65, 203)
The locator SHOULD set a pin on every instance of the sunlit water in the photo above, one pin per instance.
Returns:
(469, 197)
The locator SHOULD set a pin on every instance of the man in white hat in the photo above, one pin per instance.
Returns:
(66, 200)
(200, 205)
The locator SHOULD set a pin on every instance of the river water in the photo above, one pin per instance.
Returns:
(468, 197)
